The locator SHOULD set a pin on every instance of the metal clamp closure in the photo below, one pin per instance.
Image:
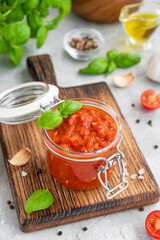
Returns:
(118, 157)
(43, 108)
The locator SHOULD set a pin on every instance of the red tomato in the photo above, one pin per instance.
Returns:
(150, 99)
(153, 224)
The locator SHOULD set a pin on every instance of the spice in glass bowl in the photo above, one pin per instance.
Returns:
(86, 43)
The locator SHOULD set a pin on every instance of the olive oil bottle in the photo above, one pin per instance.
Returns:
(140, 26)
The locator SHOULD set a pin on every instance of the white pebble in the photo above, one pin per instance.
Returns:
(141, 177)
(141, 171)
(24, 174)
(133, 176)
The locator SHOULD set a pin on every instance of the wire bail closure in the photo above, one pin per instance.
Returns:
(56, 100)
(118, 157)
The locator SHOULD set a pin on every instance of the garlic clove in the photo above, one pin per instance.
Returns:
(21, 157)
(153, 67)
(123, 80)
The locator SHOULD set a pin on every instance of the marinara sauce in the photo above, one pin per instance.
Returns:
(79, 146)
(86, 130)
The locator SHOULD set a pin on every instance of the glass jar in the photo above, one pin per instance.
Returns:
(83, 171)
(76, 170)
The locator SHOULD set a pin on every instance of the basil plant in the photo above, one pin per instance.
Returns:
(24, 19)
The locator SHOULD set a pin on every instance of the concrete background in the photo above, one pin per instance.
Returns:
(125, 225)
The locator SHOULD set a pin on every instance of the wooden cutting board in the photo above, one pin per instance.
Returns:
(69, 205)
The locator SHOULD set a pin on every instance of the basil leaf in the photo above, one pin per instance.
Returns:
(33, 33)
(41, 36)
(126, 60)
(97, 66)
(64, 7)
(34, 20)
(66, 108)
(55, 3)
(4, 46)
(50, 119)
(39, 200)
(22, 1)
(16, 33)
(111, 67)
(111, 55)
(43, 8)
(16, 14)
(16, 54)
(31, 4)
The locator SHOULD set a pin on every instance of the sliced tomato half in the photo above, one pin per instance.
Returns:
(153, 224)
(150, 99)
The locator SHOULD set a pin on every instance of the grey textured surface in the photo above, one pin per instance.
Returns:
(126, 225)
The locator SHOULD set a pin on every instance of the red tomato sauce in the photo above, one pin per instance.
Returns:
(86, 130)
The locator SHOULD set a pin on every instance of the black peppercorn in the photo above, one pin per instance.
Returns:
(39, 170)
(156, 146)
(8, 202)
(84, 229)
(60, 233)
(11, 206)
(133, 104)
(141, 209)
(138, 121)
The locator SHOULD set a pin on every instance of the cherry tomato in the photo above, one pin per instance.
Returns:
(153, 224)
(150, 99)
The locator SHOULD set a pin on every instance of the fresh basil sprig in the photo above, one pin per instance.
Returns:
(38, 200)
(51, 119)
(101, 65)
(97, 66)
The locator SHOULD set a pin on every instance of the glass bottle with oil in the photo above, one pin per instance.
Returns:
(140, 21)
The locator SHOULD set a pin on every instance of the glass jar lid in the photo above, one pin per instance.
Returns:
(24, 102)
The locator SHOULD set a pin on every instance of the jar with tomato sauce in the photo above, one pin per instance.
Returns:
(83, 150)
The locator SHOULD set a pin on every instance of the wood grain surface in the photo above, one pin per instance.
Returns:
(100, 11)
(70, 205)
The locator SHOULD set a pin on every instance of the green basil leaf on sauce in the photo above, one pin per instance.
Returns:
(38, 200)
(67, 108)
(50, 119)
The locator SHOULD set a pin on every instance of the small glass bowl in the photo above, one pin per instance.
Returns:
(83, 55)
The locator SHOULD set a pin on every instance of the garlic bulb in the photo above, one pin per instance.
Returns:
(153, 68)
